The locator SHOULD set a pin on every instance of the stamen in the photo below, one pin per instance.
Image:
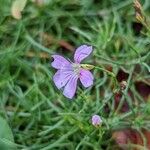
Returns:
(76, 68)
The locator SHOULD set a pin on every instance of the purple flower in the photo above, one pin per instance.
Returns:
(69, 72)
(96, 120)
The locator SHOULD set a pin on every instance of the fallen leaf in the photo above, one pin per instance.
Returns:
(41, 54)
(143, 89)
(147, 136)
(127, 136)
(17, 8)
(120, 137)
(52, 40)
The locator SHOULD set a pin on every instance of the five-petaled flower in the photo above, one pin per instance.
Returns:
(96, 120)
(69, 72)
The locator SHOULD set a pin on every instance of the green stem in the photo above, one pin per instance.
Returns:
(102, 69)
(109, 73)
(125, 93)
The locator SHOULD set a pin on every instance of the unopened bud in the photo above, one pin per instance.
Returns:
(96, 120)
(123, 85)
(87, 67)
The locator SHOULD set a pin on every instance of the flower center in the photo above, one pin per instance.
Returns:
(76, 68)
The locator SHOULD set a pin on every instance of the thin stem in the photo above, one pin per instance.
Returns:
(109, 73)
(125, 91)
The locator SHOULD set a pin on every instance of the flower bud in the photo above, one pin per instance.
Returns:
(87, 66)
(123, 85)
(96, 120)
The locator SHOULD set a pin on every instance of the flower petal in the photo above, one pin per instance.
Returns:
(82, 52)
(60, 62)
(70, 88)
(61, 77)
(86, 78)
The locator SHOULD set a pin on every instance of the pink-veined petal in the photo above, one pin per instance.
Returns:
(86, 78)
(71, 86)
(61, 77)
(60, 62)
(82, 52)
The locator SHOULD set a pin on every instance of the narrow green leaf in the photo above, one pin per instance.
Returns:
(6, 136)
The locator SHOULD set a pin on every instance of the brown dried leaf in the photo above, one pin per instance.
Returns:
(143, 89)
(43, 55)
(127, 136)
(52, 40)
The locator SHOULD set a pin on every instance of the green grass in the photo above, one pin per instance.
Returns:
(40, 117)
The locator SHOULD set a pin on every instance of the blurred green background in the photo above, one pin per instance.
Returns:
(36, 116)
